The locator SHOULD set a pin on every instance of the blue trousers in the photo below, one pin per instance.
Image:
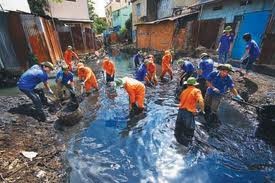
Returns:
(223, 57)
(248, 63)
(37, 96)
(185, 127)
(109, 78)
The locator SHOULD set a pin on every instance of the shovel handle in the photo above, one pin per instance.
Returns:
(246, 103)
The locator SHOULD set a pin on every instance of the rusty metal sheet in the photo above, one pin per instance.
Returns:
(52, 41)
(78, 38)
(35, 36)
(90, 41)
(64, 34)
(156, 36)
(18, 39)
(205, 32)
(7, 53)
(179, 39)
(267, 53)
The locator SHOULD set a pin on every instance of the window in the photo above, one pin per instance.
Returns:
(138, 9)
(218, 7)
(245, 2)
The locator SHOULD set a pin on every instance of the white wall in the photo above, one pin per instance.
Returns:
(70, 10)
(15, 5)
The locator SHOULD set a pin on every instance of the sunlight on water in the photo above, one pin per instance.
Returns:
(115, 148)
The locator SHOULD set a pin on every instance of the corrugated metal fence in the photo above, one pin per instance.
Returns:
(8, 58)
(22, 35)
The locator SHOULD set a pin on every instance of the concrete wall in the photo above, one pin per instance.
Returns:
(15, 5)
(135, 18)
(119, 17)
(180, 3)
(164, 8)
(112, 6)
(232, 8)
(70, 10)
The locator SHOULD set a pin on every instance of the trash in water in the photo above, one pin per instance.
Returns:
(29, 154)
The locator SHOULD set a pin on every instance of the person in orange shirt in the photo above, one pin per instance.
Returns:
(88, 77)
(68, 56)
(109, 68)
(166, 64)
(185, 123)
(151, 57)
(151, 76)
(136, 92)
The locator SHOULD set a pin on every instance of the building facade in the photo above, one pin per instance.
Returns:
(73, 28)
(13, 5)
(241, 15)
(120, 16)
(109, 8)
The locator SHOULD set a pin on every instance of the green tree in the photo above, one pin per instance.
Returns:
(128, 26)
(39, 7)
(91, 9)
(98, 23)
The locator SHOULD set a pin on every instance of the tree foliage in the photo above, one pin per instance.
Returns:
(98, 23)
(39, 7)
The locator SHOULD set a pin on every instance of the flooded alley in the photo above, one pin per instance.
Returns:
(116, 148)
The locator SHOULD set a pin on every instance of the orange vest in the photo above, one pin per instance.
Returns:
(133, 88)
(85, 73)
(189, 98)
(68, 55)
(166, 61)
(151, 68)
(109, 67)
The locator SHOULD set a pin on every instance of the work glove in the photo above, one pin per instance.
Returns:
(50, 91)
(238, 98)
(216, 90)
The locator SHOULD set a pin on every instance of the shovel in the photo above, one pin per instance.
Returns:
(246, 103)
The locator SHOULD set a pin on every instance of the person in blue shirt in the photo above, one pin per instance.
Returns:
(225, 45)
(188, 70)
(142, 71)
(219, 82)
(30, 79)
(205, 67)
(65, 78)
(252, 52)
(138, 59)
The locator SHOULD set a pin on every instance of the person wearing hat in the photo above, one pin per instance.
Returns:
(225, 45)
(136, 92)
(30, 79)
(68, 57)
(142, 70)
(188, 70)
(138, 58)
(151, 76)
(86, 75)
(151, 57)
(166, 64)
(205, 67)
(219, 82)
(252, 52)
(185, 123)
(65, 78)
(109, 67)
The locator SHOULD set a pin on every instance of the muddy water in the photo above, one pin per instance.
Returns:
(115, 148)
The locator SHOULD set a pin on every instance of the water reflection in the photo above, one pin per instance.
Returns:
(116, 148)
